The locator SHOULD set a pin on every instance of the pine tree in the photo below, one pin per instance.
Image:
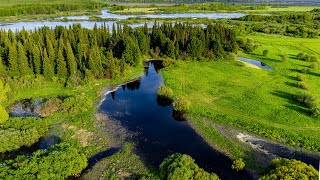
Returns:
(24, 67)
(3, 69)
(13, 61)
(36, 59)
(71, 62)
(95, 64)
(62, 71)
(48, 70)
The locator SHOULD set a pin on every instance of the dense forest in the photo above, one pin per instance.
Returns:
(34, 9)
(76, 54)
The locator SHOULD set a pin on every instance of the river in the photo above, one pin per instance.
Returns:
(157, 133)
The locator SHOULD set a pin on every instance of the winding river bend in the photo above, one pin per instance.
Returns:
(157, 134)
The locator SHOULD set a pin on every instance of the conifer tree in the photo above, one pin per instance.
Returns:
(48, 70)
(36, 59)
(24, 67)
(62, 71)
(71, 62)
(13, 61)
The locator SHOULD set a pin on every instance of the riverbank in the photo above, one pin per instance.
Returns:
(253, 100)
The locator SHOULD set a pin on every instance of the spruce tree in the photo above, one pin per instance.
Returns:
(13, 61)
(24, 67)
(48, 70)
(62, 71)
(71, 61)
(36, 59)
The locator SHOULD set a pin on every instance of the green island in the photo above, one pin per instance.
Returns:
(246, 86)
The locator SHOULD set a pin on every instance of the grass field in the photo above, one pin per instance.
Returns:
(254, 100)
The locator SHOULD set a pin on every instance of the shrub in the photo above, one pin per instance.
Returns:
(305, 70)
(59, 162)
(167, 62)
(301, 77)
(313, 59)
(265, 52)
(165, 91)
(313, 66)
(283, 57)
(49, 107)
(238, 165)
(315, 111)
(307, 99)
(282, 168)
(76, 104)
(4, 116)
(178, 166)
(302, 85)
(181, 104)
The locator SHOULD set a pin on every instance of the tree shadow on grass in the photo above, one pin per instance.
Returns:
(294, 105)
(293, 56)
(302, 110)
(292, 78)
(93, 160)
(314, 74)
(269, 59)
(295, 70)
(291, 84)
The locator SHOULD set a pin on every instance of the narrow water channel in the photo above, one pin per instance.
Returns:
(158, 134)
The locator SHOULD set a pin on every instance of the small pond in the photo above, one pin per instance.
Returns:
(255, 62)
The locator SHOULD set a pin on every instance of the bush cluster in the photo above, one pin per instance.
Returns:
(306, 57)
(178, 166)
(165, 91)
(181, 104)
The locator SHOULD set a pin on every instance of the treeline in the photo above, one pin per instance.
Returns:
(76, 55)
(282, 17)
(34, 9)
(183, 1)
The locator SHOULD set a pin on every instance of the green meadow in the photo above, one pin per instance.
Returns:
(229, 94)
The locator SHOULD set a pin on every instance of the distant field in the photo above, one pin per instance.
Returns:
(253, 100)
(14, 2)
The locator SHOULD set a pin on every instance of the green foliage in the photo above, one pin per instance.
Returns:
(49, 107)
(290, 169)
(181, 167)
(4, 89)
(165, 91)
(303, 85)
(181, 104)
(59, 162)
(77, 104)
(307, 99)
(315, 111)
(238, 165)
(17, 132)
(306, 57)
(284, 57)
(265, 52)
(301, 77)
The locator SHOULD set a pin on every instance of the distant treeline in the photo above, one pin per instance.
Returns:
(283, 17)
(34, 9)
(297, 25)
(76, 54)
(184, 1)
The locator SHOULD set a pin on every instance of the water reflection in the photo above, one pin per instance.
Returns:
(157, 131)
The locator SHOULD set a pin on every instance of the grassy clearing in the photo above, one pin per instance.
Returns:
(253, 100)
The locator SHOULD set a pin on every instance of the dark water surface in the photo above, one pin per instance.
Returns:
(158, 134)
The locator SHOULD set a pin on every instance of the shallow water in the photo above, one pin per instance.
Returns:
(84, 20)
(255, 62)
(136, 106)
